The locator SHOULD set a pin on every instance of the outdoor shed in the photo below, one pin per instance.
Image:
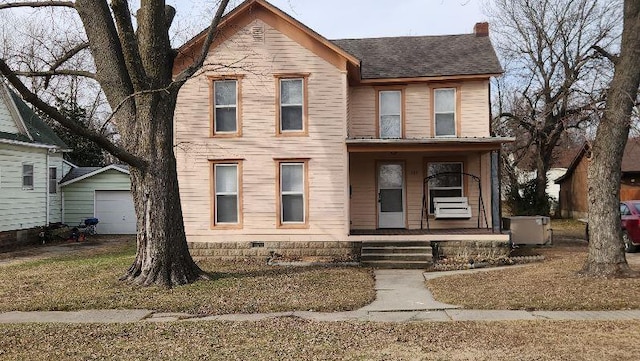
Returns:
(573, 185)
(103, 193)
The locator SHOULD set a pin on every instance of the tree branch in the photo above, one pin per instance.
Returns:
(68, 55)
(613, 58)
(73, 126)
(49, 73)
(127, 37)
(111, 71)
(211, 35)
(38, 4)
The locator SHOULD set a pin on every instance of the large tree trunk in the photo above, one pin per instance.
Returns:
(162, 255)
(606, 250)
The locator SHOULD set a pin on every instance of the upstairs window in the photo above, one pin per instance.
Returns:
(447, 183)
(27, 176)
(53, 180)
(292, 105)
(445, 112)
(225, 103)
(390, 113)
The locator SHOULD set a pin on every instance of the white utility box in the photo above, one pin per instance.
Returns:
(532, 230)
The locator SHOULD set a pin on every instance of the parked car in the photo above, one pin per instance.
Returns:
(630, 214)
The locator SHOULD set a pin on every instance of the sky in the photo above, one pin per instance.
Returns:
(340, 19)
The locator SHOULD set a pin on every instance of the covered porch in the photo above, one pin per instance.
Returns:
(393, 184)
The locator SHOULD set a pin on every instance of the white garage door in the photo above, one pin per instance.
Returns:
(115, 212)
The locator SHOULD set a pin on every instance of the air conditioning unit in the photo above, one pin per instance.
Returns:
(529, 230)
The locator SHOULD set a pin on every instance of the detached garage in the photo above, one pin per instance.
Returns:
(103, 193)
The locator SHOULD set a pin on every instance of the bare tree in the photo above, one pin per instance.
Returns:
(606, 250)
(133, 66)
(553, 80)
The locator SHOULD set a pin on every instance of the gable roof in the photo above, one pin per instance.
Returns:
(39, 130)
(630, 159)
(35, 130)
(79, 173)
(406, 57)
(253, 7)
(423, 56)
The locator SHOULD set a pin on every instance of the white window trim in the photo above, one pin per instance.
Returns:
(455, 115)
(224, 106)
(236, 193)
(301, 104)
(430, 188)
(33, 179)
(286, 193)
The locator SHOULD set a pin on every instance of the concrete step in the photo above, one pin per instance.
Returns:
(393, 249)
(400, 255)
(367, 244)
(425, 257)
(388, 264)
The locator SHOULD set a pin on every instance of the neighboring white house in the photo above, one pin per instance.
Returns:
(103, 193)
(31, 164)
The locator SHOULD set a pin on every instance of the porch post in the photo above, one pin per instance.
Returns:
(495, 191)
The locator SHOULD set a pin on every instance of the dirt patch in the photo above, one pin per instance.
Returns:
(92, 245)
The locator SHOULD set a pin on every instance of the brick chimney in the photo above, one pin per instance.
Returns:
(481, 29)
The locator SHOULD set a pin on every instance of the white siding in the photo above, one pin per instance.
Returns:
(79, 196)
(7, 124)
(22, 208)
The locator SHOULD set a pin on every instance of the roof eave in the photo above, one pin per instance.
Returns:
(26, 144)
(431, 78)
(13, 109)
(96, 172)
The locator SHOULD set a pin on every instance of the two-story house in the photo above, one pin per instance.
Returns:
(292, 143)
(31, 164)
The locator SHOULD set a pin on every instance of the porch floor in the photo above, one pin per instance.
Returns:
(415, 232)
(402, 235)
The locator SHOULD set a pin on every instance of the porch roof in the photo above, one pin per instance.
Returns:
(356, 145)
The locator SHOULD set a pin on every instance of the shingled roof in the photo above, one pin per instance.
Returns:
(38, 129)
(79, 173)
(423, 56)
(630, 159)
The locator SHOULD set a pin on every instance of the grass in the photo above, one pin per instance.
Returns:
(291, 339)
(553, 284)
(89, 280)
(568, 228)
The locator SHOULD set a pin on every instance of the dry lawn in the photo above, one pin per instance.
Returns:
(295, 339)
(89, 280)
(553, 284)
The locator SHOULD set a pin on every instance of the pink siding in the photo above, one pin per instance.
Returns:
(259, 145)
(474, 109)
(364, 192)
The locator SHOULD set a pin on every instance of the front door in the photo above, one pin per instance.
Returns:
(391, 195)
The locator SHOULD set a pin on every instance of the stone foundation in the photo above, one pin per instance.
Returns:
(268, 249)
(11, 240)
(467, 250)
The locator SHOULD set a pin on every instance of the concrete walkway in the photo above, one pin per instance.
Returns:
(401, 296)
